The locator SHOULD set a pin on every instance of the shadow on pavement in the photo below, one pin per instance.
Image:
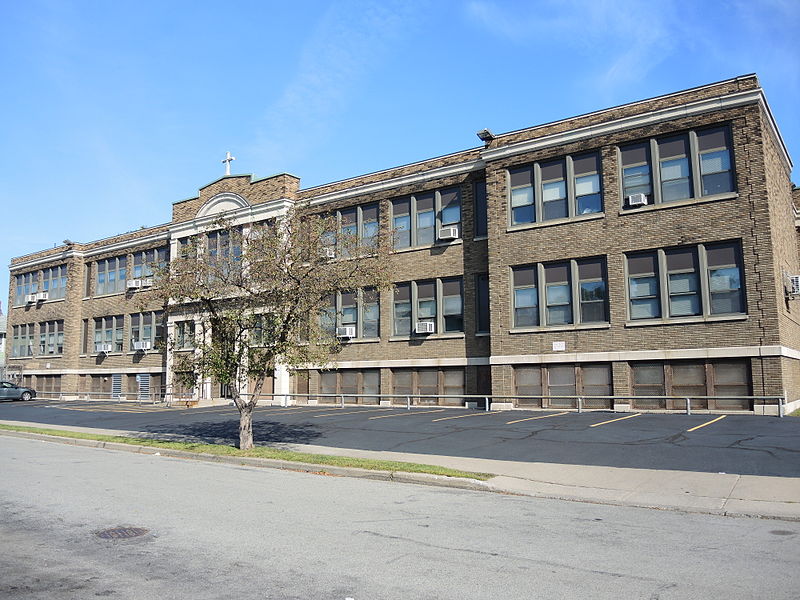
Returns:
(265, 433)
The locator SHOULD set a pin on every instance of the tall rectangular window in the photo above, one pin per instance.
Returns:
(452, 305)
(348, 229)
(523, 208)
(371, 313)
(715, 161)
(554, 190)
(450, 201)
(51, 337)
(480, 209)
(425, 222)
(558, 295)
(592, 290)
(185, 335)
(327, 318)
(643, 286)
(482, 303)
(401, 222)
(683, 282)
(673, 156)
(526, 297)
(147, 327)
(368, 232)
(426, 302)
(725, 278)
(54, 282)
(358, 310)
(402, 309)
(586, 171)
(145, 261)
(636, 177)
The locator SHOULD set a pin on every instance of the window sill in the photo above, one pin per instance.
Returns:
(38, 304)
(184, 349)
(96, 354)
(482, 334)
(432, 336)
(553, 222)
(443, 244)
(480, 238)
(687, 320)
(547, 328)
(687, 202)
(142, 352)
(104, 295)
(349, 341)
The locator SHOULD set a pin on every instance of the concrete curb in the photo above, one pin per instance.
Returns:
(271, 463)
(517, 488)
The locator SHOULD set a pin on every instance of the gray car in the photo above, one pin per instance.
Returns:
(11, 391)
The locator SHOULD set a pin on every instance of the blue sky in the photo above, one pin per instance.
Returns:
(111, 111)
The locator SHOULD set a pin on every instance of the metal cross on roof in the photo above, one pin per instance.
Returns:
(227, 160)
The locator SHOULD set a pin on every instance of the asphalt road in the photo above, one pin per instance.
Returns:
(221, 531)
(741, 444)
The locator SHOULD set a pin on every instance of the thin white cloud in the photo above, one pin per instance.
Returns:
(349, 40)
(621, 40)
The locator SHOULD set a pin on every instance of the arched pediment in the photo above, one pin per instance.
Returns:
(222, 203)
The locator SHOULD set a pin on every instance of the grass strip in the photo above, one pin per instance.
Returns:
(795, 413)
(259, 452)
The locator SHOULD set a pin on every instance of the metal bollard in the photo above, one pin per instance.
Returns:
(341, 399)
(780, 407)
(580, 404)
(408, 402)
(487, 403)
(688, 406)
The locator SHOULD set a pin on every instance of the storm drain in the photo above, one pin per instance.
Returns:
(121, 533)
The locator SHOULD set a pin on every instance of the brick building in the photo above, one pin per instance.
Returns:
(639, 251)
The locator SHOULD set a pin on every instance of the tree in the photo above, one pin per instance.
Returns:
(257, 293)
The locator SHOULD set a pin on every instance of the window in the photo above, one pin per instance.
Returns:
(147, 327)
(482, 303)
(689, 165)
(110, 276)
(480, 209)
(27, 283)
(184, 335)
(555, 189)
(359, 309)
(561, 380)
(54, 282)
(417, 218)
(439, 302)
(574, 292)
(48, 384)
(22, 340)
(683, 292)
(357, 224)
(352, 384)
(51, 337)
(144, 261)
(432, 383)
(727, 378)
(109, 331)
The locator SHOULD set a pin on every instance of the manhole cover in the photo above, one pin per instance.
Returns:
(121, 533)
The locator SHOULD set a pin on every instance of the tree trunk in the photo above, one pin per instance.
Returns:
(246, 425)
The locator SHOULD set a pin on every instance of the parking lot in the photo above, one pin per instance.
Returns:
(743, 444)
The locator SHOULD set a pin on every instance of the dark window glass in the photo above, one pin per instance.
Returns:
(481, 221)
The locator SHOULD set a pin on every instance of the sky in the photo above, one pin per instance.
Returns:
(113, 110)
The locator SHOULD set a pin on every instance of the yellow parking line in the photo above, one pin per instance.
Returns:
(615, 420)
(534, 418)
(480, 414)
(409, 413)
(352, 412)
(706, 423)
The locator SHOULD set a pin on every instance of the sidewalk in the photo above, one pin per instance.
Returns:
(714, 493)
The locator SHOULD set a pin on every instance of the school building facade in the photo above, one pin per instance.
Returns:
(633, 256)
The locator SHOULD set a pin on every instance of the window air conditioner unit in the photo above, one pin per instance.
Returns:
(42, 296)
(30, 298)
(346, 332)
(329, 253)
(141, 345)
(448, 233)
(637, 200)
(794, 286)
(103, 348)
(134, 283)
(147, 282)
(425, 327)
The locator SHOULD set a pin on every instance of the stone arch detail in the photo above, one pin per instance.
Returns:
(222, 203)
